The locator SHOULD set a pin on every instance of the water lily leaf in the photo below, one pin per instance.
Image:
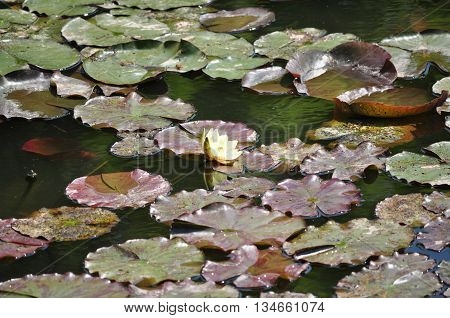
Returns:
(10, 17)
(13, 244)
(180, 20)
(398, 276)
(412, 53)
(312, 197)
(62, 7)
(255, 161)
(229, 228)
(438, 203)
(287, 294)
(172, 207)
(349, 243)
(62, 286)
(186, 139)
(434, 235)
(118, 190)
(284, 44)
(440, 149)
(45, 54)
(267, 81)
(348, 66)
(423, 169)
(133, 112)
(67, 223)
(9, 63)
(237, 20)
(441, 85)
(186, 289)
(135, 62)
(405, 210)
(134, 146)
(345, 163)
(352, 134)
(233, 68)
(162, 5)
(254, 268)
(246, 187)
(444, 271)
(146, 262)
(51, 146)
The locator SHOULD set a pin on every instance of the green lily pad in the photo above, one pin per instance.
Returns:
(438, 203)
(135, 62)
(9, 64)
(162, 5)
(62, 7)
(62, 286)
(398, 276)
(67, 223)
(247, 187)
(146, 262)
(268, 80)
(180, 20)
(10, 17)
(349, 243)
(434, 235)
(405, 210)
(423, 169)
(233, 68)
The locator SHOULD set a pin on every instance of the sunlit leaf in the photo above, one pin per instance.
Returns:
(434, 235)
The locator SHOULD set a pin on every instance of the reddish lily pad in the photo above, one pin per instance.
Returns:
(254, 268)
(246, 187)
(344, 163)
(62, 286)
(438, 203)
(52, 146)
(434, 235)
(229, 228)
(168, 208)
(13, 244)
(312, 197)
(118, 190)
(267, 81)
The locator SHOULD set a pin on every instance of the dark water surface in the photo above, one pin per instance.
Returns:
(275, 118)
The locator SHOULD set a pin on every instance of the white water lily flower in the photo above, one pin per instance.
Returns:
(218, 148)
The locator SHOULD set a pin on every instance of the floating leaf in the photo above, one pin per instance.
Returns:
(67, 223)
(350, 243)
(62, 286)
(312, 197)
(118, 190)
(168, 208)
(9, 63)
(135, 62)
(187, 289)
(133, 112)
(444, 271)
(254, 268)
(9, 17)
(229, 228)
(233, 68)
(134, 146)
(52, 146)
(344, 163)
(352, 134)
(288, 294)
(267, 81)
(13, 244)
(398, 276)
(162, 5)
(180, 20)
(284, 44)
(423, 169)
(434, 235)
(146, 262)
(237, 20)
(62, 7)
(441, 85)
(246, 187)
(438, 203)
(404, 209)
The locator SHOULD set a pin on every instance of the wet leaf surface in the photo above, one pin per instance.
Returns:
(437, 202)
(233, 68)
(247, 187)
(434, 235)
(267, 81)
(444, 271)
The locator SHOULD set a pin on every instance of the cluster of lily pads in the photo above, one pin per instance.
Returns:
(87, 56)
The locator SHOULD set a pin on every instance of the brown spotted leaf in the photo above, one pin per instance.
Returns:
(434, 235)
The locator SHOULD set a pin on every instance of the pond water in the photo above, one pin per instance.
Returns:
(276, 118)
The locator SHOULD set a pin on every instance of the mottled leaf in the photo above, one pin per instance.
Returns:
(133, 146)
(246, 187)
(438, 203)
(287, 294)
(444, 271)
(434, 235)
(62, 7)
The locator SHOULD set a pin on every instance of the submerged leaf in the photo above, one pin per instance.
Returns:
(246, 187)
(233, 68)
(267, 81)
(438, 203)
(146, 262)
(434, 235)
(118, 190)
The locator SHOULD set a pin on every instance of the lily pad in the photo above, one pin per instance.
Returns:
(434, 235)
(287, 294)
(55, 146)
(186, 289)
(180, 20)
(444, 271)
(133, 112)
(9, 63)
(405, 210)
(349, 243)
(135, 62)
(168, 208)
(134, 145)
(423, 169)
(62, 286)
(312, 197)
(163, 5)
(9, 17)
(237, 20)
(233, 68)
(284, 44)
(398, 276)
(13, 244)
(118, 190)
(67, 223)
(267, 81)
(344, 163)
(441, 85)
(229, 228)
(254, 268)
(438, 203)
(352, 134)
(62, 7)
(245, 187)
(146, 262)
